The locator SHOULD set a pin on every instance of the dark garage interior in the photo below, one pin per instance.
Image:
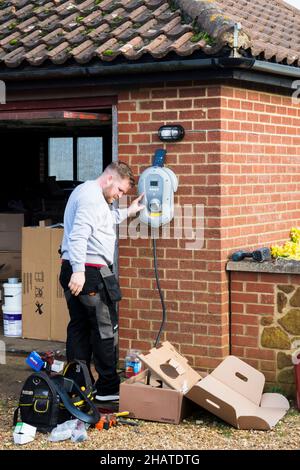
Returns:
(45, 159)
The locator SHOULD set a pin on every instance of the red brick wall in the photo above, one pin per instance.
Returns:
(252, 297)
(238, 158)
(260, 168)
(191, 280)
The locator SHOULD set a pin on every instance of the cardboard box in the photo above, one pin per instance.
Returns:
(150, 402)
(11, 222)
(10, 231)
(23, 433)
(44, 309)
(233, 391)
(10, 264)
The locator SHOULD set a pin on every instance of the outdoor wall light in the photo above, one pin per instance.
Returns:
(171, 133)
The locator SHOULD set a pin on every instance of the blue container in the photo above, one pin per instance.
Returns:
(35, 361)
(133, 364)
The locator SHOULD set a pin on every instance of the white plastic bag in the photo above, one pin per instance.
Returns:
(79, 433)
(63, 431)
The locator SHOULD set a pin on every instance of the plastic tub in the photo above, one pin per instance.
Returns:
(13, 295)
(12, 321)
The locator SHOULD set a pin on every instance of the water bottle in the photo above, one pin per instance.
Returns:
(133, 364)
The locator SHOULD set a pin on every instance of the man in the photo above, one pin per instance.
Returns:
(91, 290)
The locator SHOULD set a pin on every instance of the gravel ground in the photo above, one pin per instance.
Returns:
(203, 431)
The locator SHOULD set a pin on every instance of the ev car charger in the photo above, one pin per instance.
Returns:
(158, 185)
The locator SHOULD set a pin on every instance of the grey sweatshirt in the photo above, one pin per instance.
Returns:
(89, 227)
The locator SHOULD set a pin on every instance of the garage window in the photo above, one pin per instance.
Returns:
(75, 158)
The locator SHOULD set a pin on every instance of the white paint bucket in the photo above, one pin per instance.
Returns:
(12, 320)
(13, 296)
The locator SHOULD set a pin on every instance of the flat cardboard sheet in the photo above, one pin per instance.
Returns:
(44, 309)
(233, 391)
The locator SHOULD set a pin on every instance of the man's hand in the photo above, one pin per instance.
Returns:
(76, 282)
(135, 207)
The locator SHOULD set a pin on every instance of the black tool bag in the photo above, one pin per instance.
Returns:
(46, 401)
(78, 373)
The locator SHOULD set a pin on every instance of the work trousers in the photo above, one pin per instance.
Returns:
(93, 327)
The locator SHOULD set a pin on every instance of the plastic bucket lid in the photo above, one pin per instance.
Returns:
(13, 280)
(13, 286)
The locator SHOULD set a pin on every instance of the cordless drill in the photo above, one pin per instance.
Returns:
(262, 254)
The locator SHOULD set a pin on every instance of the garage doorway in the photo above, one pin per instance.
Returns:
(49, 153)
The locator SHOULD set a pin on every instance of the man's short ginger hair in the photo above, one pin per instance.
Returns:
(122, 170)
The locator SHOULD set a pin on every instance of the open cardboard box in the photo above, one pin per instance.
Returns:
(162, 400)
(233, 392)
(154, 402)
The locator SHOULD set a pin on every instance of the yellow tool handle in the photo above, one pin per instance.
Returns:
(122, 413)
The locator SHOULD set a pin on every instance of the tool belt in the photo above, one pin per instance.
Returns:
(111, 284)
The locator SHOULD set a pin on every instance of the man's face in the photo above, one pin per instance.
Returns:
(115, 188)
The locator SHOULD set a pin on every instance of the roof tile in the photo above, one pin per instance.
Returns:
(49, 23)
(107, 46)
(69, 35)
(128, 48)
(182, 40)
(86, 55)
(93, 19)
(31, 40)
(7, 13)
(131, 5)
(79, 49)
(9, 38)
(24, 12)
(44, 11)
(87, 5)
(36, 53)
(66, 8)
(54, 37)
(14, 58)
(109, 5)
(96, 32)
(161, 9)
(68, 23)
(147, 27)
(179, 30)
(58, 30)
(27, 25)
(271, 25)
